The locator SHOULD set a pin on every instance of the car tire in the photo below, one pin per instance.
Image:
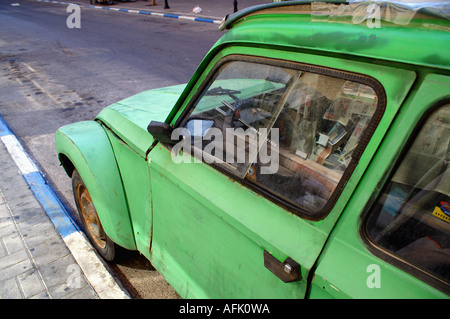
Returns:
(90, 220)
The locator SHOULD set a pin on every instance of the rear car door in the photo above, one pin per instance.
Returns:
(394, 234)
(274, 144)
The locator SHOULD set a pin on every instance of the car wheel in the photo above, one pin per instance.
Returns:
(90, 220)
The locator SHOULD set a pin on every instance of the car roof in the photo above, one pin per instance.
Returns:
(411, 33)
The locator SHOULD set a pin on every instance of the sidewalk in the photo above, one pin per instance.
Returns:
(211, 10)
(42, 253)
(216, 9)
(34, 261)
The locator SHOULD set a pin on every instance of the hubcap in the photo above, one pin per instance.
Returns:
(90, 217)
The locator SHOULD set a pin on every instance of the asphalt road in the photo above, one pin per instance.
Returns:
(51, 75)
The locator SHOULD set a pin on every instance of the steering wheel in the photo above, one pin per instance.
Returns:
(233, 117)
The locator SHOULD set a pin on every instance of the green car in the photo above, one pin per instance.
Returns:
(306, 158)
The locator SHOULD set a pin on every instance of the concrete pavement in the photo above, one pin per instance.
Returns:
(34, 260)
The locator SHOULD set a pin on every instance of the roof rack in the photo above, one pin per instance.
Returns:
(397, 11)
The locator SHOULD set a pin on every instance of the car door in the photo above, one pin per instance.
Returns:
(392, 240)
(268, 153)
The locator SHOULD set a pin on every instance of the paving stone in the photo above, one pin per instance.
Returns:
(9, 289)
(35, 262)
(38, 235)
(42, 295)
(13, 258)
(49, 251)
(58, 272)
(31, 283)
(15, 269)
(13, 242)
(76, 287)
(7, 225)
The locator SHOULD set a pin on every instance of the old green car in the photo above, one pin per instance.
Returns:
(306, 158)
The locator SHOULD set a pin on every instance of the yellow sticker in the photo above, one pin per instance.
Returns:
(440, 214)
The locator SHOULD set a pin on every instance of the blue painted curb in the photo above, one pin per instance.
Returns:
(81, 250)
(49, 201)
(43, 192)
(165, 15)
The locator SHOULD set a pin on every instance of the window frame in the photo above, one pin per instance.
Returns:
(369, 210)
(305, 67)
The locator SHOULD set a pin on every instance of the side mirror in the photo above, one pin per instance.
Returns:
(161, 132)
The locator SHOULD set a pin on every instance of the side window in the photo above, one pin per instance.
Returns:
(289, 131)
(411, 219)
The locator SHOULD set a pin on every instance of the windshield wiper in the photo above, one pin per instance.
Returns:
(221, 91)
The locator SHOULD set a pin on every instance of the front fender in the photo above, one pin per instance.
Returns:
(85, 146)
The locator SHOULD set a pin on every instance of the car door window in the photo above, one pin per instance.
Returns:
(290, 131)
(411, 219)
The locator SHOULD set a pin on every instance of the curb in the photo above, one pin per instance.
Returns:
(153, 13)
(93, 268)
